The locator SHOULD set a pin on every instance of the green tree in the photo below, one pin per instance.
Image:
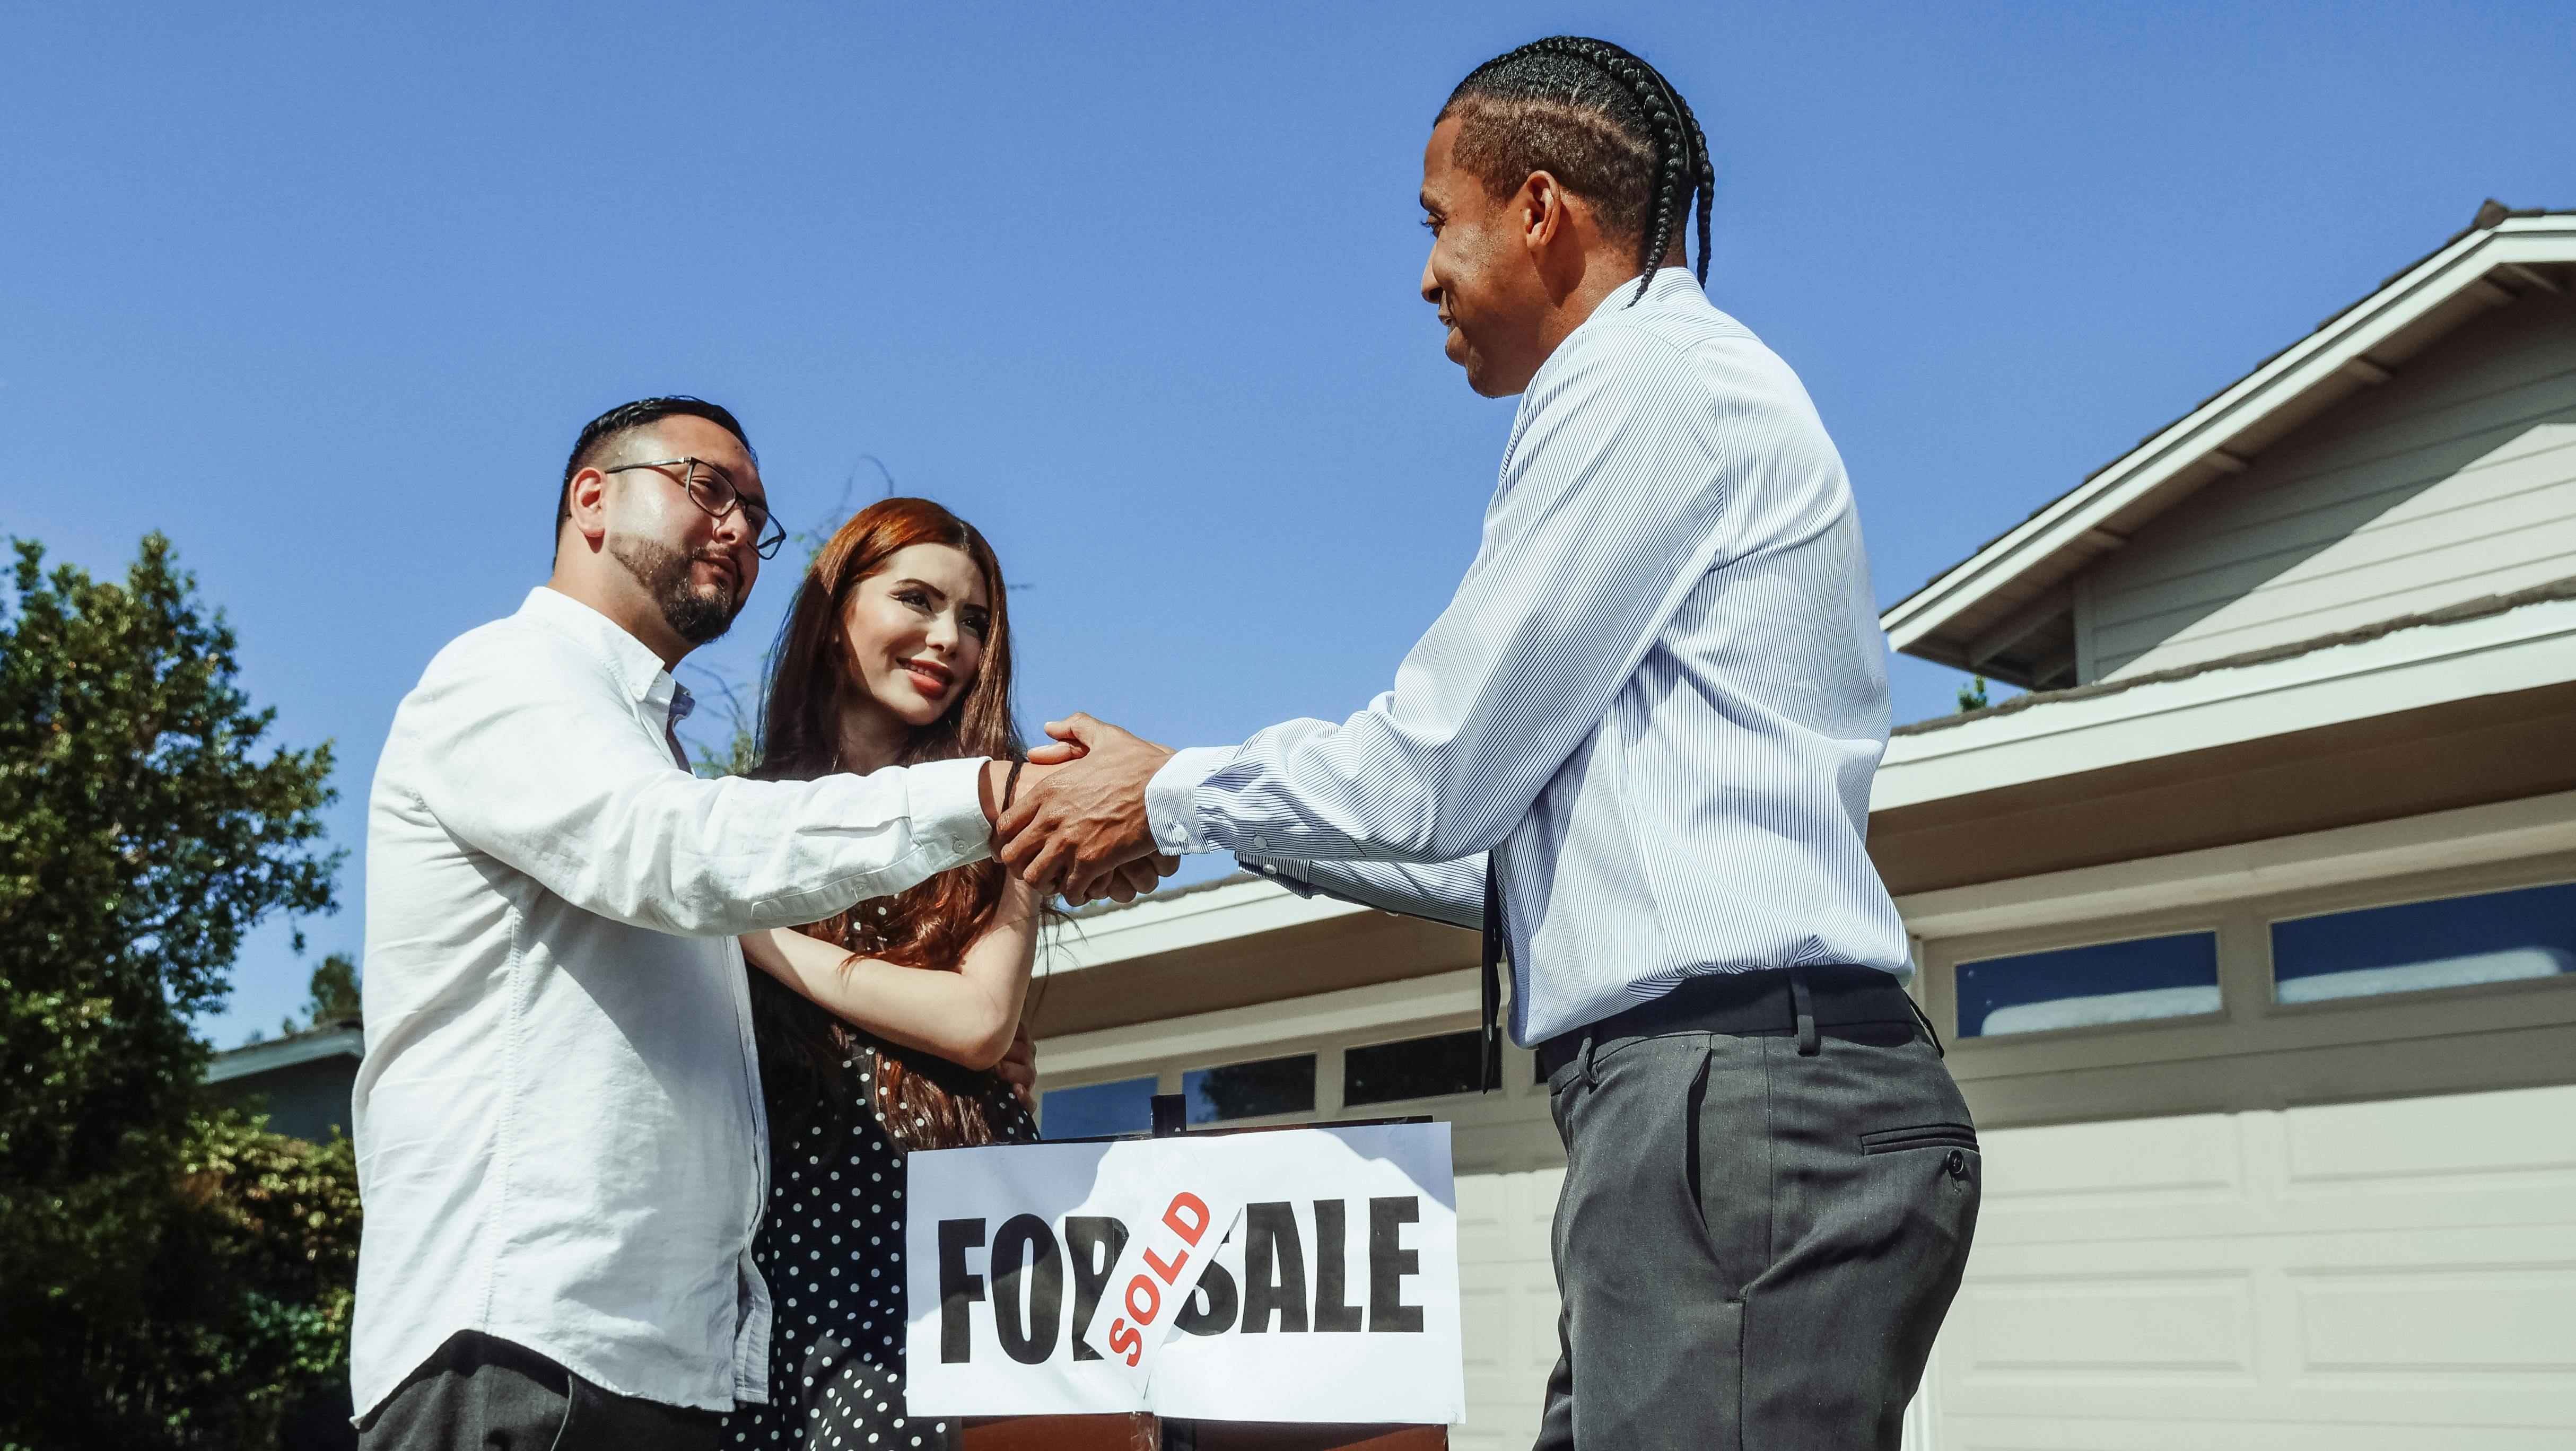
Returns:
(740, 755)
(161, 1263)
(1972, 696)
(334, 987)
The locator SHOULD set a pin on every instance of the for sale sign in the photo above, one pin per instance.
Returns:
(1302, 1275)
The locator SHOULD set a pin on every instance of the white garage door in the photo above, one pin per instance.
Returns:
(1506, 1305)
(2363, 1276)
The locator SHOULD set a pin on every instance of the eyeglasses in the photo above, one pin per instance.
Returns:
(712, 489)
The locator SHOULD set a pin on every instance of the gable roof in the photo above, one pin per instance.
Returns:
(2006, 610)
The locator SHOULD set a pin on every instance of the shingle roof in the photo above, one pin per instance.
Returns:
(2476, 609)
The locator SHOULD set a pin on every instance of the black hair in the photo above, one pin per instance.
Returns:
(1598, 119)
(600, 432)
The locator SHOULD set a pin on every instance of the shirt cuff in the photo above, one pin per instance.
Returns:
(1171, 798)
(946, 801)
(1289, 874)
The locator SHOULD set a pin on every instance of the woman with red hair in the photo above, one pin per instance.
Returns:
(879, 1028)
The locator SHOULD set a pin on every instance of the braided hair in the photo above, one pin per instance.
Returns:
(1600, 120)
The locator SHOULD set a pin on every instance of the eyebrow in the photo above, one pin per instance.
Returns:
(901, 581)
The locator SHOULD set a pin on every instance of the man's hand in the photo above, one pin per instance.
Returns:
(1084, 819)
(1019, 1068)
(1124, 883)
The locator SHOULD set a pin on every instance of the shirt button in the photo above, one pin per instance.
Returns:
(1261, 843)
(1958, 1164)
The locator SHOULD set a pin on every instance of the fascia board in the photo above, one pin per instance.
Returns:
(285, 1053)
(2311, 361)
(2465, 836)
(1408, 1004)
(2410, 669)
(1149, 929)
(2537, 240)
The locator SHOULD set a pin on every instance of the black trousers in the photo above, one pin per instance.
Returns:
(1754, 1246)
(481, 1393)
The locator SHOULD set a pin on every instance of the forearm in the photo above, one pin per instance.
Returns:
(1312, 790)
(658, 849)
(1451, 892)
(967, 1015)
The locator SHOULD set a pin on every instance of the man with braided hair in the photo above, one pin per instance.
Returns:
(1637, 749)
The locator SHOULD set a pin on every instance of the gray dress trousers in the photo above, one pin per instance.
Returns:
(1755, 1247)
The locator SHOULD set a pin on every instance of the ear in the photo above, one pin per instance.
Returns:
(590, 506)
(1539, 210)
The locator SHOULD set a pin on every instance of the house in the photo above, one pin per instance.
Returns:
(302, 1081)
(2251, 928)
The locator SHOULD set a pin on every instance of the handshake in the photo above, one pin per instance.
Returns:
(1074, 822)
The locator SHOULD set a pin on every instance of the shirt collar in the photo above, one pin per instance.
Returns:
(1669, 283)
(638, 670)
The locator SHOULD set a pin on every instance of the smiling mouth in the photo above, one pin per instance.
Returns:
(930, 678)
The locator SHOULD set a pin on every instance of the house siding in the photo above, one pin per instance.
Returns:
(2453, 480)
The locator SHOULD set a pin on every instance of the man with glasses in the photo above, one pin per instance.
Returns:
(558, 1119)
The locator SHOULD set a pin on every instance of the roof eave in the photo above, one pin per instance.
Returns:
(2075, 528)
(338, 1040)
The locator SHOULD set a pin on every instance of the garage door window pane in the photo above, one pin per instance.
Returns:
(1124, 1107)
(2494, 937)
(1414, 1068)
(2083, 987)
(1251, 1090)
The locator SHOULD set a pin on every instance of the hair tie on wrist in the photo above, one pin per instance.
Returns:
(1010, 786)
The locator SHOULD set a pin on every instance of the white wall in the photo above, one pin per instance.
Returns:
(2455, 479)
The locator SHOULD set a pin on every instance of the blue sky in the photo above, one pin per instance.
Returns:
(324, 292)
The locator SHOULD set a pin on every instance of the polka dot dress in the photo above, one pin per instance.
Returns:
(831, 1249)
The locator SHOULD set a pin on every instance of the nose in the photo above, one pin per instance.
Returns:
(943, 633)
(734, 527)
(1430, 283)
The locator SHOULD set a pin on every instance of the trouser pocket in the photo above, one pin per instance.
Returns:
(1919, 1136)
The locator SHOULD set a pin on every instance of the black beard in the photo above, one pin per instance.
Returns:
(693, 615)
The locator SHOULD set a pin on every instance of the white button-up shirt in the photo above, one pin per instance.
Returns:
(559, 1131)
(1658, 696)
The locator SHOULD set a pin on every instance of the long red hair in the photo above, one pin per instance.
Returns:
(925, 1101)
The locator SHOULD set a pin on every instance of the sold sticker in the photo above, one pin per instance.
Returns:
(1158, 1272)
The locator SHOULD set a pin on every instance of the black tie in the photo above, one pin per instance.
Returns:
(1491, 1076)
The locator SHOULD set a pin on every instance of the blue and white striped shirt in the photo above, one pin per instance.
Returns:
(1658, 696)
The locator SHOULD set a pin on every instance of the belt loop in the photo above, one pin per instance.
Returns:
(1585, 1052)
(1803, 1003)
